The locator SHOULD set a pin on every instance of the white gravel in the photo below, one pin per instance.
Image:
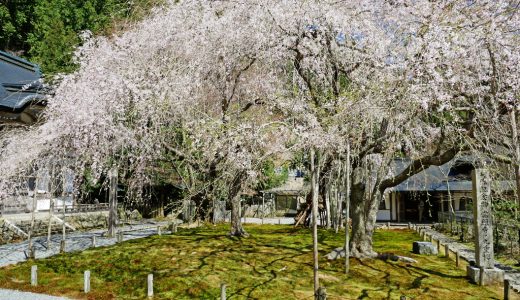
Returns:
(17, 295)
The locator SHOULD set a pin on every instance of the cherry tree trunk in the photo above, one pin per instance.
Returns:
(364, 214)
(234, 193)
(236, 224)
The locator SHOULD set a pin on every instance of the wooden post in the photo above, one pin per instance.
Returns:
(30, 233)
(515, 118)
(263, 208)
(447, 250)
(34, 275)
(457, 258)
(347, 210)
(119, 236)
(315, 191)
(439, 246)
(86, 281)
(327, 206)
(32, 252)
(158, 230)
(150, 286)
(49, 225)
(63, 228)
(222, 291)
(340, 205)
(94, 241)
(112, 202)
(507, 288)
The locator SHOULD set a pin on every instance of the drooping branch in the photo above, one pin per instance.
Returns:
(417, 166)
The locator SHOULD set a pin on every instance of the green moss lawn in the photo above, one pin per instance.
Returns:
(274, 263)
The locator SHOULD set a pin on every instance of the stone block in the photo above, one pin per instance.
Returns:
(336, 253)
(426, 248)
(489, 276)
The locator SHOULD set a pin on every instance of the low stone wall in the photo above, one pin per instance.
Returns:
(6, 234)
(88, 220)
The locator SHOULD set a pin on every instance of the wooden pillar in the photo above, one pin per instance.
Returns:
(514, 116)
(49, 225)
(315, 191)
(347, 209)
(112, 202)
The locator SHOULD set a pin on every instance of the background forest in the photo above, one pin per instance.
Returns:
(48, 31)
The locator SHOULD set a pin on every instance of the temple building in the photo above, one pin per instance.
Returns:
(22, 95)
(435, 193)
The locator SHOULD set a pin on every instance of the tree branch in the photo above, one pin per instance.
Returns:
(417, 166)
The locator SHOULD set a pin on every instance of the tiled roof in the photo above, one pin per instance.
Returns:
(20, 84)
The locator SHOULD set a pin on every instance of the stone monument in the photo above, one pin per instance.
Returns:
(484, 271)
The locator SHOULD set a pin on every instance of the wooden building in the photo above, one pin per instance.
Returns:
(434, 193)
(22, 96)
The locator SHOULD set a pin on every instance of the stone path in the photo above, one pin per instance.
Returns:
(468, 254)
(76, 241)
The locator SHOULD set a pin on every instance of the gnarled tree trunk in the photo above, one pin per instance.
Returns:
(234, 194)
(367, 194)
(364, 214)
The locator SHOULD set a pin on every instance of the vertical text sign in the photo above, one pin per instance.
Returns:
(482, 218)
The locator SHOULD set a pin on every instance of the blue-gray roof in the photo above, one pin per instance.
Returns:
(439, 178)
(427, 180)
(20, 83)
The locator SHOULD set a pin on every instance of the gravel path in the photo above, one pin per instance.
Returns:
(279, 221)
(76, 241)
(17, 295)
(468, 254)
